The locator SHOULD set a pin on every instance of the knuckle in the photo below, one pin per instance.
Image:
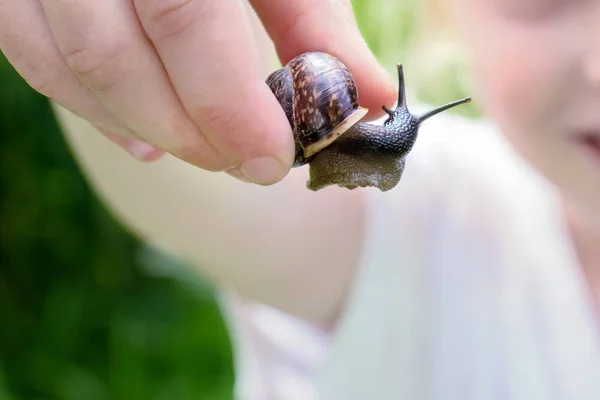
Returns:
(192, 143)
(289, 25)
(217, 118)
(40, 72)
(44, 83)
(41, 77)
(225, 125)
(190, 152)
(98, 67)
(196, 150)
(164, 19)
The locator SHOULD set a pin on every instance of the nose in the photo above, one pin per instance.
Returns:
(592, 65)
(591, 61)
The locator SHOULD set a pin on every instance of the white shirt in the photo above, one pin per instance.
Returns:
(468, 288)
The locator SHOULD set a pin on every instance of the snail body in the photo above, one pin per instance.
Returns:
(319, 97)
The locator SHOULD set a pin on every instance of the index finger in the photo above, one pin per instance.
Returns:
(208, 51)
(330, 26)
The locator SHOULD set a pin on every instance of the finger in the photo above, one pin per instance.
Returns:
(27, 43)
(143, 151)
(103, 43)
(330, 26)
(208, 50)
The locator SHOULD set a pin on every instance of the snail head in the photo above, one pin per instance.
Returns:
(372, 155)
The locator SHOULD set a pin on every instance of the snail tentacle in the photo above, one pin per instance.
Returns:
(388, 111)
(372, 155)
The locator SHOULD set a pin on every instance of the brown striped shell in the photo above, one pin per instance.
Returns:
(320, 100)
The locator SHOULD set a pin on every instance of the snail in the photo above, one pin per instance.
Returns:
(319, 97)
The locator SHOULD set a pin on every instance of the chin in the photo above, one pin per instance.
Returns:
(578, 181)
(570, 164)
(585, 199)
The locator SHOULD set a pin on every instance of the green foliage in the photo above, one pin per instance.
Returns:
(80, 317)
(434, 68)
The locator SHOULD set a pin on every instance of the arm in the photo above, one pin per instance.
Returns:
(283, 244)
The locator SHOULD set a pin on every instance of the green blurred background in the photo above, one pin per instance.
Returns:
(89, 312)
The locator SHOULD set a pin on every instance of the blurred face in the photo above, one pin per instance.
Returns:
(537, 63)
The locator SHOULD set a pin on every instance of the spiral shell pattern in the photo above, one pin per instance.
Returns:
(320, 99)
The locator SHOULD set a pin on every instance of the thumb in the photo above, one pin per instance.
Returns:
(298, 26)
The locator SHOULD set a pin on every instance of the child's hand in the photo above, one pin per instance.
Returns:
(182, 75)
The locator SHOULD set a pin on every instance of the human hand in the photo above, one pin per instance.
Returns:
(182, 76)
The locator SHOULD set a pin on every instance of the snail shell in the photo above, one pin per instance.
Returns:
(320, 99)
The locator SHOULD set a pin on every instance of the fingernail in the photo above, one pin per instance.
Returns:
(140, 150)
(263, 170)
(236, 173)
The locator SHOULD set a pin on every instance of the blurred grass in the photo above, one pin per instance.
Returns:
(82, 316)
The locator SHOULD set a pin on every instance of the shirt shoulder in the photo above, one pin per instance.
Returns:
(433, 246)
(461, 175)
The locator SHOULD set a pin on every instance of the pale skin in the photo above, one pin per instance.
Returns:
(537, 66)
(537, 69)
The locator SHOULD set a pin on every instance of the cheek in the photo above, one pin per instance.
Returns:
(515, 65)
(514, 82)
(518, 89)
(517, 75)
